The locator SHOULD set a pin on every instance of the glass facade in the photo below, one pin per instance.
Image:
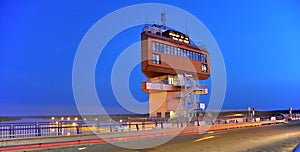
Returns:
(171, 50)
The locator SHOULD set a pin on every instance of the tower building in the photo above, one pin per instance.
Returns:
(173, 66)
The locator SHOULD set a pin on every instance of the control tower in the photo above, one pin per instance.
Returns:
(173, 66)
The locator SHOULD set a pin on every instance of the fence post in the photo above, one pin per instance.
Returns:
(11, 131)
(143, 125)
(137, 127)
(161, 125)
(129, 125)
(78, 128)
(37, 129)
(59, 128)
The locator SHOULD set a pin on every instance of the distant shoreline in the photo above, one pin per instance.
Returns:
(7, 119)
(125, 116)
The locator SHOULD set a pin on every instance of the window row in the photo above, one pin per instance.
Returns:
(171, 50)
(156, 60)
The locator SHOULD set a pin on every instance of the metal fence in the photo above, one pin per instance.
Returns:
(25, 130)
(66, 128)
(38, 129)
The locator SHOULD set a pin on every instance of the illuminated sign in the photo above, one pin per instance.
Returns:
(202, 106)
(158, 86)
(177, 36)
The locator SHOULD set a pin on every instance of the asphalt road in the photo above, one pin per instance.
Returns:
(279, 138)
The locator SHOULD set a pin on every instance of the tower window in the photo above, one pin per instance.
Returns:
(155, 58)
(204, 68)
(153, 46)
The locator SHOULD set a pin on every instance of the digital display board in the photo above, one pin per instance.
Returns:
(177, 36)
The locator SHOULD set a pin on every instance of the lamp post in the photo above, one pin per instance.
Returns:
(249, 110)
(253, 112)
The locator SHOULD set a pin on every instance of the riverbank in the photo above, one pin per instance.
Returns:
(7, 119)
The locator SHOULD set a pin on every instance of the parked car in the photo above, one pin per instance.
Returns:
(278, 116)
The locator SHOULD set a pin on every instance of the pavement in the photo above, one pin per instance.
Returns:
(37, 143)
(267, 138)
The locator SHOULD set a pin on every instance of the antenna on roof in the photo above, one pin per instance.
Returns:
(163, 19)
(186, 28)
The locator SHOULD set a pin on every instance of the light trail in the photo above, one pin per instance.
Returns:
(92, 141)
(204, 138)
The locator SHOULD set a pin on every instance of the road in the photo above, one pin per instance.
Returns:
(282, 137)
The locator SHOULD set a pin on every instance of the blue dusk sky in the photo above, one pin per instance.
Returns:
(259, 41)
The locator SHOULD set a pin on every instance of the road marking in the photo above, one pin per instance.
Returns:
(204, 138)
(82, 148)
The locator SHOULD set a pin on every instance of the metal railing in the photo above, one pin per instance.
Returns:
(67, 128)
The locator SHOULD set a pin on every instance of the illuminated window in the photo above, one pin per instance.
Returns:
(155, 58)
(153, 46)
(165, 49)
(201, 58)
(197, 58)
(184, 53)
(194, 56)
(156, 47)
(160, 47)
(204, 69)
(175, 51)
(170, 81)
(169, 50)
